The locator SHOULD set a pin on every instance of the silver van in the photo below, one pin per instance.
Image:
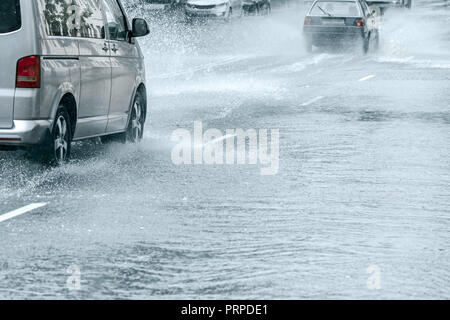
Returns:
(69, 70)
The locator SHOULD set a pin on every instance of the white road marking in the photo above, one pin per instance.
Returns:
(366, 78)
(21, 211)
(307, 103)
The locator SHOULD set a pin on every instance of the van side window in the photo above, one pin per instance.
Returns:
(117, 23)
(10, 19)
(73, 18)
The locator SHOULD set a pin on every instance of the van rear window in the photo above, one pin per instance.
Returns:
(10, 19)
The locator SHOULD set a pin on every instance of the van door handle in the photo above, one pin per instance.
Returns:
(105, 48)
(114, 48)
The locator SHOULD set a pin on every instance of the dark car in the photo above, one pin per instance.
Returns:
(256, 7)
(337, 22)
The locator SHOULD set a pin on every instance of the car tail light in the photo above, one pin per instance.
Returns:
(360, 23)
(308, 21)
(29, 72)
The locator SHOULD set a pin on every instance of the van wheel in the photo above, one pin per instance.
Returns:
(56, 150)
(135, 131)
(62, 137)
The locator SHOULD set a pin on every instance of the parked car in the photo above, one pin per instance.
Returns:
(223, 9)
(383, 5)
(158, 6)
(70, 70)
(256, 7)
(334, 22)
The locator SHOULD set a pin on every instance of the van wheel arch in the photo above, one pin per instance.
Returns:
(69, 102)
(143, 92)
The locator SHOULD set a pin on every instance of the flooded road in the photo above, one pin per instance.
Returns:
(363, 181)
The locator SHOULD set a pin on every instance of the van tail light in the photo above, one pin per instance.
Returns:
(308, 21)
(29, 72)
(360, 23)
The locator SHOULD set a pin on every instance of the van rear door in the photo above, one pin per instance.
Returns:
(10, 23)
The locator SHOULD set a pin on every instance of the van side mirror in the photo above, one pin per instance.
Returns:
(140, 28)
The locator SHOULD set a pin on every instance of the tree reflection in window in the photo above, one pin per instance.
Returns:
(73, 18)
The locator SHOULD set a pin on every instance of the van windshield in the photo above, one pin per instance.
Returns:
(9, 16)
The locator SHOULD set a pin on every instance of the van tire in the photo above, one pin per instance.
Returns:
(136, 123)
(128, 136)
(58, 144)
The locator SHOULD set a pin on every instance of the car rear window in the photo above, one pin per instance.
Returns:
(10, 19)
(335, 8)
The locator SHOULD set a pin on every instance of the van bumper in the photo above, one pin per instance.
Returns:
(25, 133)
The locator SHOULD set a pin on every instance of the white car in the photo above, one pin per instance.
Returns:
(390, 3)
(212, 8)
(161, 5)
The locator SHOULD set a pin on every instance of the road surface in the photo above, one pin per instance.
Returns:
(360, 207)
